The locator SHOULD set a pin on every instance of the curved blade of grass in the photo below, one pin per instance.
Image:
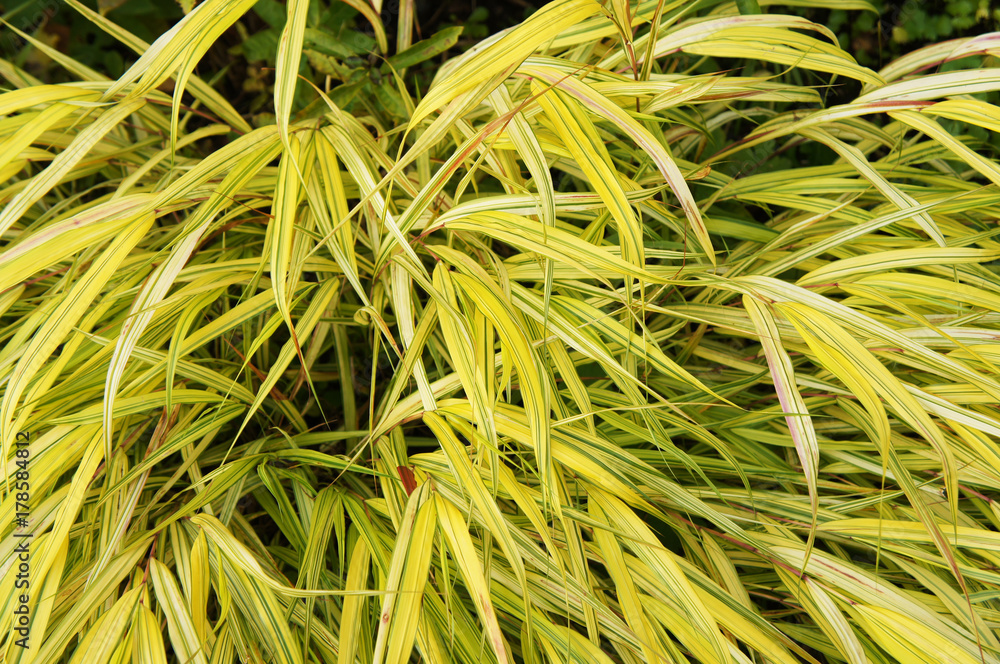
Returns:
(523, 356)
(930, 128)
(183, 636)
(903, 404)
(282, 229)
(60, 240)
(239, 555)
(906, 639)
(597, 103)
(406, 578)
(917, 285)
(782, 47)
(699, 30)
(372, 15)
(286, 76)
(648, 549)
(453, 526)
(65, 161)
(621, 576)
(857, 159)
(554, 243)
(500, 58)
(972, 111)
(28, 134)
(935, 86)
(199, 89)
(187, 40)
(797, 417)
(64, 318)
(939, 53)
(867, 327)
(486, 505)
(149, 648)
(580, 137)
(108, 631)
(354, 602)
(895, 259)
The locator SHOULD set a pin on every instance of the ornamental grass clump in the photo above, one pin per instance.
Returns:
(641, 333)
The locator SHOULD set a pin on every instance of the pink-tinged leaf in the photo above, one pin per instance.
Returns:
(937, 54)
(701, 30)
(800, 425)
(936, 86)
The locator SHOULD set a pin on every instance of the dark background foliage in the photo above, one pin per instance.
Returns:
(342, 53)
(901, 26)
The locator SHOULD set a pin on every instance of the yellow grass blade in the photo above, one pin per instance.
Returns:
(65, 161)
(183, 635)
(800, 423)
(354, 603)
(490, 63)
(453, 526)
(906, 639)
(407, 575)
(628, 597)
(148, 643)
(286, 76)
(578, 134)
(646, 547)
